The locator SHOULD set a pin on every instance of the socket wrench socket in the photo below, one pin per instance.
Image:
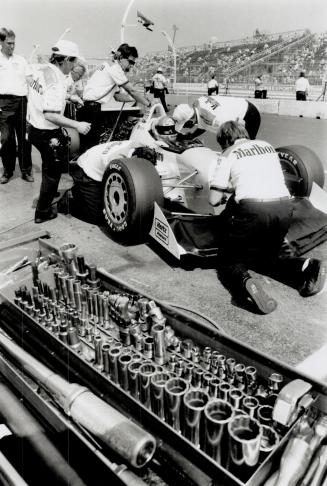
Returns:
(194, 403)
(217, 414)
(175, 389)
(157, 391)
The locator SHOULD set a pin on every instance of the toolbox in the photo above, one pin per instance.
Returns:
(196, 387)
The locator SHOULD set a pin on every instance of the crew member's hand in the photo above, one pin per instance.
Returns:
(83, 128)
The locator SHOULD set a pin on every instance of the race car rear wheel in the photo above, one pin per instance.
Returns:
(130, 188)
(301, 167)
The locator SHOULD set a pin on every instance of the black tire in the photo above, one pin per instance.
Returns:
(130, 188)
(301, 167)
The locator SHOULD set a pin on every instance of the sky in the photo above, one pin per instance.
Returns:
(96, 24)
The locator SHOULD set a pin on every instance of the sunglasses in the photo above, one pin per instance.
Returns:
(131, 62)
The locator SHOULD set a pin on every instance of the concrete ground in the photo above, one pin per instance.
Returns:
(295, 330)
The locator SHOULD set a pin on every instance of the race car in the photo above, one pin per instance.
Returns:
(159, 189)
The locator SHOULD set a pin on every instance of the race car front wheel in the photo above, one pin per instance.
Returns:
(301, 167)
(130, 188)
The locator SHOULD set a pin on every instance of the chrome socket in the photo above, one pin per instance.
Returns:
(194, 402)
(123, 361)
(146, 371)
(157, 391)
(217, 414)
(175, 389)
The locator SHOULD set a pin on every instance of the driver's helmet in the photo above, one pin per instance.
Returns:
(164, 129)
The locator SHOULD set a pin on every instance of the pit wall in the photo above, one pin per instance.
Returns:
(307, 109)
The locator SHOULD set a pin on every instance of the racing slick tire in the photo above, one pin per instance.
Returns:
(301, 167)
(130, 188)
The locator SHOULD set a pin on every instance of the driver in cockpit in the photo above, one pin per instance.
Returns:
(164, 129)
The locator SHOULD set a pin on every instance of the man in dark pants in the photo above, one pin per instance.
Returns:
(14, 72)
(256, 220)
(46, 105)
(160, 87)
(302, 87)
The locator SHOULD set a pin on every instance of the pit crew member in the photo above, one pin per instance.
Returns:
(255, 221)
(46, 104)
(14, 75)
(102, 87)
(209, 112)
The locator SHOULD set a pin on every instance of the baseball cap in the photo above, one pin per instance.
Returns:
(159, 70)
(182, 114)
(67, 48)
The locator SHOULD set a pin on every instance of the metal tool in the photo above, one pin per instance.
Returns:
(125, 437)
(217, 414)
(194, 403)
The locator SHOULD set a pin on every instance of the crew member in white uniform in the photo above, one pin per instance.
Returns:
(46, 104)
(209, 112)
(302, 87)
(160, 87)
(256, 220)
(14, 74)
(104, 85)
(213, 86)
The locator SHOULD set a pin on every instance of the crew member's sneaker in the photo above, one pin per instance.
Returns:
(28, 177)
(258, 296)
(314, 278)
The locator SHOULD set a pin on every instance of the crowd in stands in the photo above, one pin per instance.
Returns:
(284, 57)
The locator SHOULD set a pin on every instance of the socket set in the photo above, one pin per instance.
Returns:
(218, 402)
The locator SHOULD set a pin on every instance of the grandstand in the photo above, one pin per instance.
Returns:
(279, 56)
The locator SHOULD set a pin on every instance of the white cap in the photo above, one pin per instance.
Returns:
(159, 70)
(67, 48)
(182, 114)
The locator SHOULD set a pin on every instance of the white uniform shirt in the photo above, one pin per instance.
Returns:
(159, 81)
(302, 84)
(47, 94)
(212, 83)
(212, 111)
(250, 169)
(258, 83)
(13, 72)
(106, 77)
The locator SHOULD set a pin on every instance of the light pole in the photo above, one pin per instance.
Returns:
(170, 42)
(123, 22)
(31, 56)
(63, 34)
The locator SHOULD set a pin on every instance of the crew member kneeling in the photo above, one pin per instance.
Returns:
(256, 220)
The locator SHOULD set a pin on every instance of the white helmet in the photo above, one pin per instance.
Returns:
(182, 114)
(164, 128)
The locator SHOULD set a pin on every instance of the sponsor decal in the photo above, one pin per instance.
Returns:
(34, 84)
(212, 102)
(255, 149)
(161, 231)
(288, 157)
(114, 227)
(110, 146)
(113, 165)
